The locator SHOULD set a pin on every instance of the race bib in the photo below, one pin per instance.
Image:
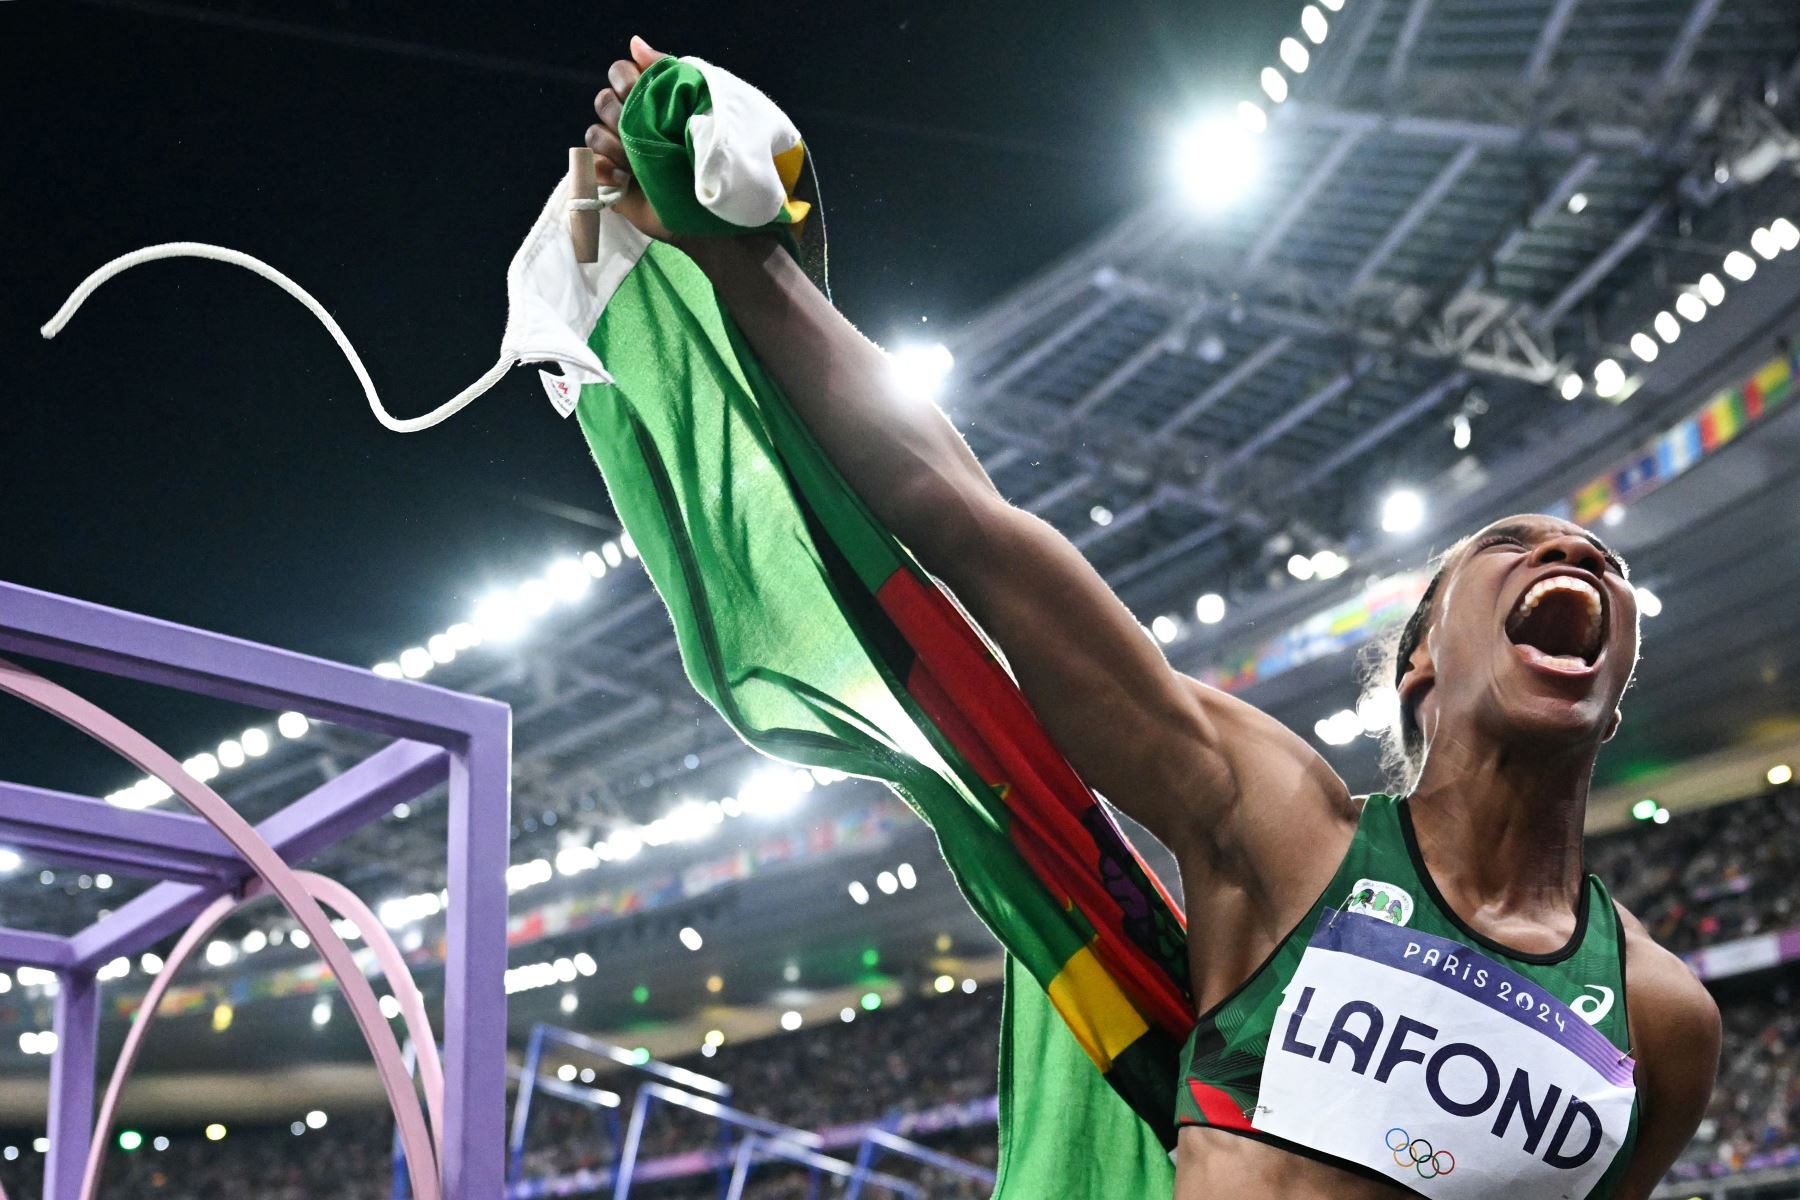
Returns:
(1440, 1068)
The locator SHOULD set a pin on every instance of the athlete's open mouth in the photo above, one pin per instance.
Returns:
(1559, 623)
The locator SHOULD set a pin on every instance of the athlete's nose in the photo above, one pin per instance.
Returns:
(1572, 549)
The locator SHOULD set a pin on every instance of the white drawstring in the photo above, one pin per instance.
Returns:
(125, 262)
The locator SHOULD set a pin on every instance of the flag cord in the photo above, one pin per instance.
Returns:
(250, 262)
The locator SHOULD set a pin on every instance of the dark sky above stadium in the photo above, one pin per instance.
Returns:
(194, 447)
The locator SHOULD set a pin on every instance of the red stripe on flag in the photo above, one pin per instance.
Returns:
(978, 707)
(1217, 1107)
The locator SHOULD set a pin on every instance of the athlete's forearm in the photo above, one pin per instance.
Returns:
(900, 454)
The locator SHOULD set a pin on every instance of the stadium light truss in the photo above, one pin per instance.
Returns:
(216, 859)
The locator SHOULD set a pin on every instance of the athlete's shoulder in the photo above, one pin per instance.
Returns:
(1671, 1011)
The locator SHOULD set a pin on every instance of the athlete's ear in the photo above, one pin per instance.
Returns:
(1421, 675)
(1612, 726)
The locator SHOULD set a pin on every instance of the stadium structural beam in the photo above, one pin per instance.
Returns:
(1681, 51)
(1303, 196)
(1401, 54)
(1549, 38)
(1417, 211)
(440, 734)
(1489, 135)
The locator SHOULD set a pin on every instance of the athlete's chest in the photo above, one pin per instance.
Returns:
(1439, 1065)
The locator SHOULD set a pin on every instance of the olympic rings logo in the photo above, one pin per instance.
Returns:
(1417, 1153)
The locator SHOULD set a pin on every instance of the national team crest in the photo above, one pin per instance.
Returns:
(1384, 901)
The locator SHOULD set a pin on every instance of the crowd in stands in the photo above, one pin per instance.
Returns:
(1698, 880)
(1710, 875)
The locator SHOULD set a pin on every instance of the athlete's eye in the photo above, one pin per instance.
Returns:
(1498, 539)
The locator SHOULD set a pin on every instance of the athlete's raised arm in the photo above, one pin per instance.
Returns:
(1172, 754)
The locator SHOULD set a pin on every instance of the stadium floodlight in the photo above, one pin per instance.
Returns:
(1164, 629)
(255, 742)
(255, 942)
(1712, 289)
(887, 882)
(390, 1007)
(1649, 603)
(1294, 55)
(943, 983)
(1209, 609)
(1378, 710)
(130, 1139)
(858, 892)
(202, 767)
(219, 954)
(1300, 567)
(1614, 514)
(160, 1143)
(690, 937)
(1691, 306)
(215, 1132)
(1739, 266)
(151, 964)
(1215, 162)
(415, 662)
(1667, 327)
(441, 648)
(1764, 242)
(1251, 116)
(1609, 378)
(1100, 515)
(568, 579)
(231, 754)
(1329, 564)
(1313, 24)
(568, 1004)
(1577, 202)
(10, 860)
(1339, 729)
(921, 369)
(909, 878)
(1403, 511)
(1644, 809)
(1571, 386)
(790, 1020)
(1274, 84)
(388, 670)
(847, 1015)
(1787, 236)
(1333, 5)
(969, 986)
(1661, 817)
(1645, 347)
(1780, 775)
(1462, 431)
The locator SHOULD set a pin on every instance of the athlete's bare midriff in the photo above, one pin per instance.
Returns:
(1210, 1163)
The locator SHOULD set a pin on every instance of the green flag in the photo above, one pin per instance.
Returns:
(823, 643)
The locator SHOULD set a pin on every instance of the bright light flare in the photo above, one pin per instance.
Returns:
(922, 369)
(1403, 511)
(1215, 162)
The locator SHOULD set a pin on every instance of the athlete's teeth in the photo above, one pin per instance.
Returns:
(1566, 583)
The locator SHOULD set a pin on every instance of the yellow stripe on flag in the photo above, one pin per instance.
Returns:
(1097, 1012)
(787, 165)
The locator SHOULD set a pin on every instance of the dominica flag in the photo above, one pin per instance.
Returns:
(823, 643)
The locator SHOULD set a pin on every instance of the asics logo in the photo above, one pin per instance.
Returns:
(1593, 1009)
(1418, 1154)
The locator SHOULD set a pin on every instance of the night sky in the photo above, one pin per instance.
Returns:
(194, 447)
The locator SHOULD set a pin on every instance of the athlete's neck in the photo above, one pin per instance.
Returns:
(1501, 827)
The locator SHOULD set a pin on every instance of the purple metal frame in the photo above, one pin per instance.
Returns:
(441, 737)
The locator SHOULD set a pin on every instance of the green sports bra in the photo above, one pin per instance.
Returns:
(1386, 1037)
